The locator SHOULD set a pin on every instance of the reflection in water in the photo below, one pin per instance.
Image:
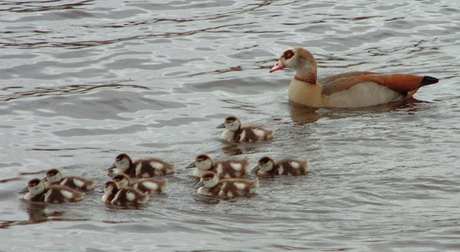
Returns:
(36, 212)
(304, 115)
(232, 150)
(236, 149)
(208, 200)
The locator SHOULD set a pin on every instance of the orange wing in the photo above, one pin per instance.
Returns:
(404, 83)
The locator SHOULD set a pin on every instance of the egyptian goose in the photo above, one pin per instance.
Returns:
(347, 90)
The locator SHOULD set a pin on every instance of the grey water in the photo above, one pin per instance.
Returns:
(82, 81)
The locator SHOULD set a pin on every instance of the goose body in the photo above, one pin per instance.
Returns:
(127, 196)
(347, 90)
(236, 133)
(54, 177)
(55, 194)
(268, 166)
(225, 168)
(143, 168)
(145, 185)
(212, 186)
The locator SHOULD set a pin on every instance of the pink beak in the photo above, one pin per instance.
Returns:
(278, 66)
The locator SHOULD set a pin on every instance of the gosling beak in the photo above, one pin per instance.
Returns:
(199, 184)
(221, 126)
(111, 168)
(191, 165)
(255, 169)
(280, 65)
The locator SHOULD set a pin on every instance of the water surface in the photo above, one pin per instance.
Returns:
(83, 81)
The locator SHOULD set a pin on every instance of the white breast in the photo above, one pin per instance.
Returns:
(198, 172)
(204, 191)
(227, 135)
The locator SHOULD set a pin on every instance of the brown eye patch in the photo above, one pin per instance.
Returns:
(118, 178)
(208, 176)
(230, 119)
(34, 182)
(288, 54)
(264, 160)
(201, 157)
(52, 172)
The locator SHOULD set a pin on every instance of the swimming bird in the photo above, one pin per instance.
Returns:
(54, 177)
(268, 166)
(144, 185)
(224, 168)
(38, 192)
(210, 185)
(127, 196)
(143, 168)
(347, 90)
(236, 133)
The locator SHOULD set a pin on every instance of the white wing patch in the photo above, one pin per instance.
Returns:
(230, 194)
(67, 194)
(243, 135)
(78, 182)
(138, 168)
(294, 164)
(240, 186)
(63, 181)
(150, 185)
(258, 132)
(280, 170)
(219, 168)
(47, 194)
(130, 196)
(236, 166)
(156, 165)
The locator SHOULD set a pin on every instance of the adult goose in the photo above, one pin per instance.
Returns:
(347, 90)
